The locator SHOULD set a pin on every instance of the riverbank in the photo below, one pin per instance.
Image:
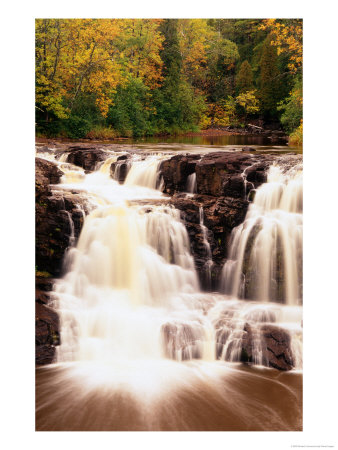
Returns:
(249, 131)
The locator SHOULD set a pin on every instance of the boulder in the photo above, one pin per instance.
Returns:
(175, 172)
(119, 170)
(271, 341)
(86, 157)
(277, 347)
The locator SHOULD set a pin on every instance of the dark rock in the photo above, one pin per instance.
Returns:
(248, 149)
(57, 218)
(47, 324)
(47, 333)
(221, 215)
(123, 157)
(175, 172)
(44, 284)
(277, 347)
(47, 169)
(44, 354)
(46, 173)
(41, 296)
(119, 170)
(274, 343)
(86, 157)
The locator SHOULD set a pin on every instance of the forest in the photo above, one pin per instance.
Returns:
(109, 78)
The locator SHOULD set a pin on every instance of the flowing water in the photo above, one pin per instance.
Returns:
(142, 346)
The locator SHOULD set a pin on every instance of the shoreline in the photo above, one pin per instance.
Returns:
(210, 132)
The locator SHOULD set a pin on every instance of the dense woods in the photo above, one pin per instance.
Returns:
(104, 78)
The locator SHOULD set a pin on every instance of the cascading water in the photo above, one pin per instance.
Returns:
(145, 173)
(265, 258)
(137, 334)
(209, 263)
(192, 183)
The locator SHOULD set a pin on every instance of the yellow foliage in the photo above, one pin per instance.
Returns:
(248, 101)
(288, 38)
(93, 55)
(296, 138)
(196, 38)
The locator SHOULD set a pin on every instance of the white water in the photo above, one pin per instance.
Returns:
(266, 249)
(192, 183)
(209, 262)
(131, 276)
(130, 299)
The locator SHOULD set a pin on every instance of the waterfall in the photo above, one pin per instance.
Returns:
(192, 183)
(145, 173)
(265, 258)
(131, 289)
(209, 262)
(142, 347)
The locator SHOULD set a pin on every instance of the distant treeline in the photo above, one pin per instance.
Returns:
(103, 78)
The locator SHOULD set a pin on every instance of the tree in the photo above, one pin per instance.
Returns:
(292, 108)
(248, 102)
(287, 36)
(221, 63)
(269, 80)
(244, 79)
(196, 38)
(178, 107)
(139, 45)
(74, 56)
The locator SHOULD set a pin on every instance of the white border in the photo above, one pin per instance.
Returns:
(17, 224)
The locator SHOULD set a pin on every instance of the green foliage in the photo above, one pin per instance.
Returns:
(221, 69)
(292, 108)
(104, 78)
(244, 79)
(130, 114)
(77, 127)
(269, 82)
(178, 108)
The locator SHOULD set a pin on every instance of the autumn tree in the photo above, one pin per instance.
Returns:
(73, 56)
(248, 102)
(196, 39)
(287, 36)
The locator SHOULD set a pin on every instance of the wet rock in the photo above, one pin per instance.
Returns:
(221, 215)
(119, 170)
(47, 333)
(277, 347)
(44, 354)
(46, 173)
(86, 157)
(57, 219)
(175, 172)
(47, 324)
(44, 284)
(246, 342)
(41, 296)
(248, 149)
(220, 173)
